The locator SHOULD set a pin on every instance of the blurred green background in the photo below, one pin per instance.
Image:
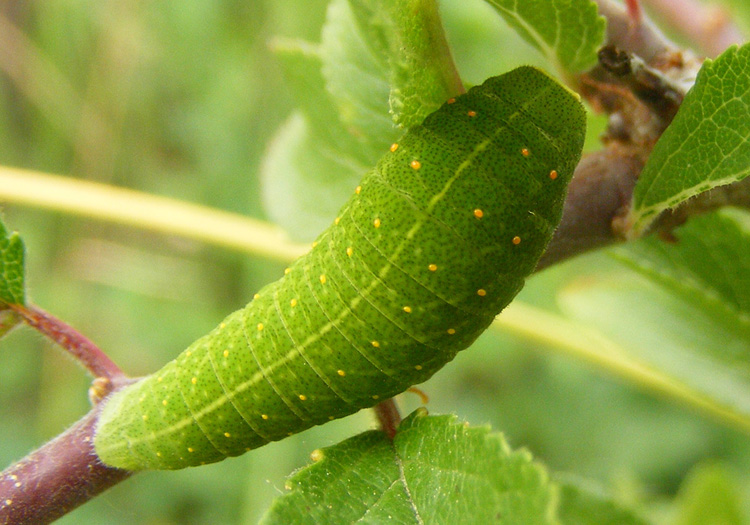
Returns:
(181, 99)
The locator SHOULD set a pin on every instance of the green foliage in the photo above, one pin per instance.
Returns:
(568, 33)
(436, 470)
(707, 145)
(12, 271)
(184, 101)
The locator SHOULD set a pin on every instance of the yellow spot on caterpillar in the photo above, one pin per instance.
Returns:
(159, 379)
(516, 240)
(194, 380)
(316, 455)
(415, 164)
(357, 189)
(432, 267)
(302, 397)
(407, 309)
(472, 113)
(260, 326)
(336, 220)
(227, 434)
(322, 279)
(553, 174)
(525, 152)
(256, 296)
(290, 433)
(226, 353)
(478, 213)
(314, 244)
(376, 396)
(451, 100)
(481, 292)
(293, 303)
(190, 449)
(350, 251)
(158, 454)
(188, 353)
(376, 223)
(164, 402)
(264, 416)
(376, 344)
(394, 147)
(341, 373)
(287, 270)
(418, 367)
(451, 331)
(331, 418)
(145, 417)
(222, 326)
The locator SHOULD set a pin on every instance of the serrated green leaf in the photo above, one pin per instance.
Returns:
(683, 314)
(12, 273)
(707, 145)
(567, 32)
(435, 471)
(581, 503)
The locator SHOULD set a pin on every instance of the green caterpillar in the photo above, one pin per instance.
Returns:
(436, 241)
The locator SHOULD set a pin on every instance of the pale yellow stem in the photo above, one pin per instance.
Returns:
(150, 212)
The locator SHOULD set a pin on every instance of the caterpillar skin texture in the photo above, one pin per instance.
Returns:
(436, 241)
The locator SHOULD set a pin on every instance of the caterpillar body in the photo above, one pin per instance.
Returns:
(436, 240)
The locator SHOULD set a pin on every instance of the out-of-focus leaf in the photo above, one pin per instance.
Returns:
(381, 66)
(707, 145)
(710, 496)
(435, 471)
(567, 32)
(581, 503)
(685, 315)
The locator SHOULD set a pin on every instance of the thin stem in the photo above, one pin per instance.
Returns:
(388, 417)
(146, 211)
(73, 342)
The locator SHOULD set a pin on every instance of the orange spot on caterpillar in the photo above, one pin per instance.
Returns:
(451, 100)
(478, 213)
(553, 174)
(376, 223)
(432, 267)
(516, 240)
(472, 113)
(341, 373)
(415, 164)
(302, 397)
(394, 147)
(375, 344)
(407, 309)
(418, 367)
(525, 152)
(481, 292)
(424, 398)
(264, 416)
(451, 331)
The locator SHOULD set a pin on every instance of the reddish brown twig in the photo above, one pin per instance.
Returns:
(70, 340)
